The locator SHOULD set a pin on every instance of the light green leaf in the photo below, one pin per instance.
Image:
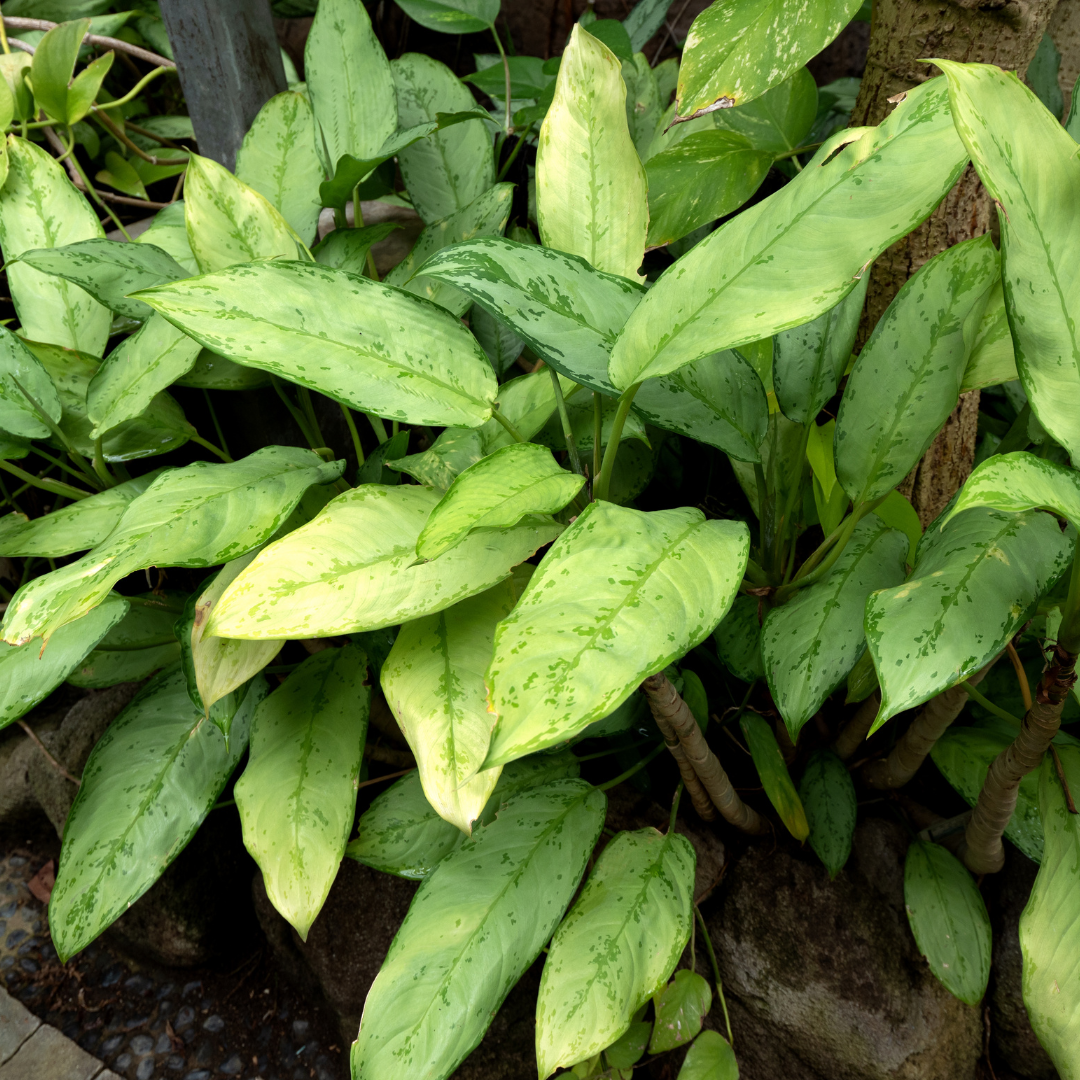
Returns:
(680, 1008)
(830, 499)
(141, 643)
(618, 597)
(811, 643)
(452, 16)
(828, 797)
(701, 178)
(907, 378)
(751, 278)
(499, 341)
(39, 208)
(1048, 926)
(139, 368)
(279, 160)
(21, 373)
(77, 527)
(29, 674)
(644, 20)
(496, 493)
(346, 249)
(992, 359)
(964, 754)
(449, 169)
(616, 947)
(735, 52)
(974, 585)
(401, 833)
(229, 223)
(349, 82)
(590, 183)
(362, 343)
(433, 680)
(120, 174)
(54, 64)
(809, 361)
(643, 107)
(150, 781)
(474, 927)
(354, 567)
(710, 1058)
(1028, 164)
(899, 514)
(168, 231)
(200, 515)
(485, 216)
(109, 270)
(949, 920)
(213, 372)
(738, 639)
(774, 774)
(85, 87)
(297, 795)
(15, 68)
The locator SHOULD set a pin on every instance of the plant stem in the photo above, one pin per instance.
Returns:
(117, 133)
(513, 153)
(1021, 674)
(90, 189)
(358, 222)
(304, 394)
(195, 437)
(497, 415)
(612, 750)
(378, 427)
(353, 434)
(100, 467)
(213, 417)
(598, 434)
(135, 90)
(56, 487)
(506, 72)
(675, 806)
(600, 489)
(798, 150)
(1069, 631)
(301, 423)
(630, 772)
(716, 973)
(564, 418)
(986, 703)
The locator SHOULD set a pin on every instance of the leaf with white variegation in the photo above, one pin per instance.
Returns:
(616, 947)
(974, 585)
(200, 515)
(297, 794)
(993, 359)
(864, 189)
(617, 598)
(590, 183)
(363, 343)
(354, 568)
(150, 781)
(1028, 163)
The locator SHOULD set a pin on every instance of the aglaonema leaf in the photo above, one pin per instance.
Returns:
(750, 278)
(150, 781)
(297, 794)
(28, 399)
(617, 598)
(828, 797)
(774, 774)
(366, 344)
(354, 568)
(993, 357)
(616, 947)
(402, 834)
(200, 515)
(473, 928)
(452, 16)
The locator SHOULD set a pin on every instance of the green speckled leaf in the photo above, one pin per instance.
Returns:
(363, 343)
(474, 927)
(751, 278)
(200, 515)
(401, 833)
(1028, 163)
(590, 183)
(136, 371)
(22, 373)
(28, 675)
(616, 947)
(738, 639)
(452, 16)
(297, 795)
(1020, 481)
(907, 378)
(1050, 924)
(710, 1058)
(993, 359)
(828, 797)
(735, 52)
(811, 643)
(643, 104)
(40, 208)
(949, 920)
(109, 270)
(774, 774)
(496, 493)
(213, 372)
(278, 159)
(974, 585)
(433, 680)
(150, 781)
(451, 168)
(168, 231)
(680, 1008)
(354, 567)
(617, 598)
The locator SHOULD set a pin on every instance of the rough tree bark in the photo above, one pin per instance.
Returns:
(1002, 32)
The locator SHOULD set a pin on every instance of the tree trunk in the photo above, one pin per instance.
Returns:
(1065, 32)
(902, 33)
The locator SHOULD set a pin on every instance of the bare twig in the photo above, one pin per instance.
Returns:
(117, 132)
(16, 23)
(32, 736)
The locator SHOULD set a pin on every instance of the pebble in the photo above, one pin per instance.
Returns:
(175, 1061)
(139, 983)
(184, 1018)
(163, 1045)
(300, 1029)
(232, 1067)
(198, 1074)
(112, 1043)
(214, 1024)
(122, 1062)
(189, 987)
(145, 1069)
(142, 1045)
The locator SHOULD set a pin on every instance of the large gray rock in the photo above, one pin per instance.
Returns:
(823, 978)
(18, 754)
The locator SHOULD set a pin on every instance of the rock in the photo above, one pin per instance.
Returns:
(71, 744)
(823, 979)
(18, 754)
(1011, 1037)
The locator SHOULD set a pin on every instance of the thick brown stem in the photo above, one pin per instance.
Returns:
(912, 747)
(672, 714)
(982, 850)
(857, 728)
(698, 796)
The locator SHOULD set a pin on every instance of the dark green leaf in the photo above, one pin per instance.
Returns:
(680, 1008)
(828, 796)
(774, 774)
